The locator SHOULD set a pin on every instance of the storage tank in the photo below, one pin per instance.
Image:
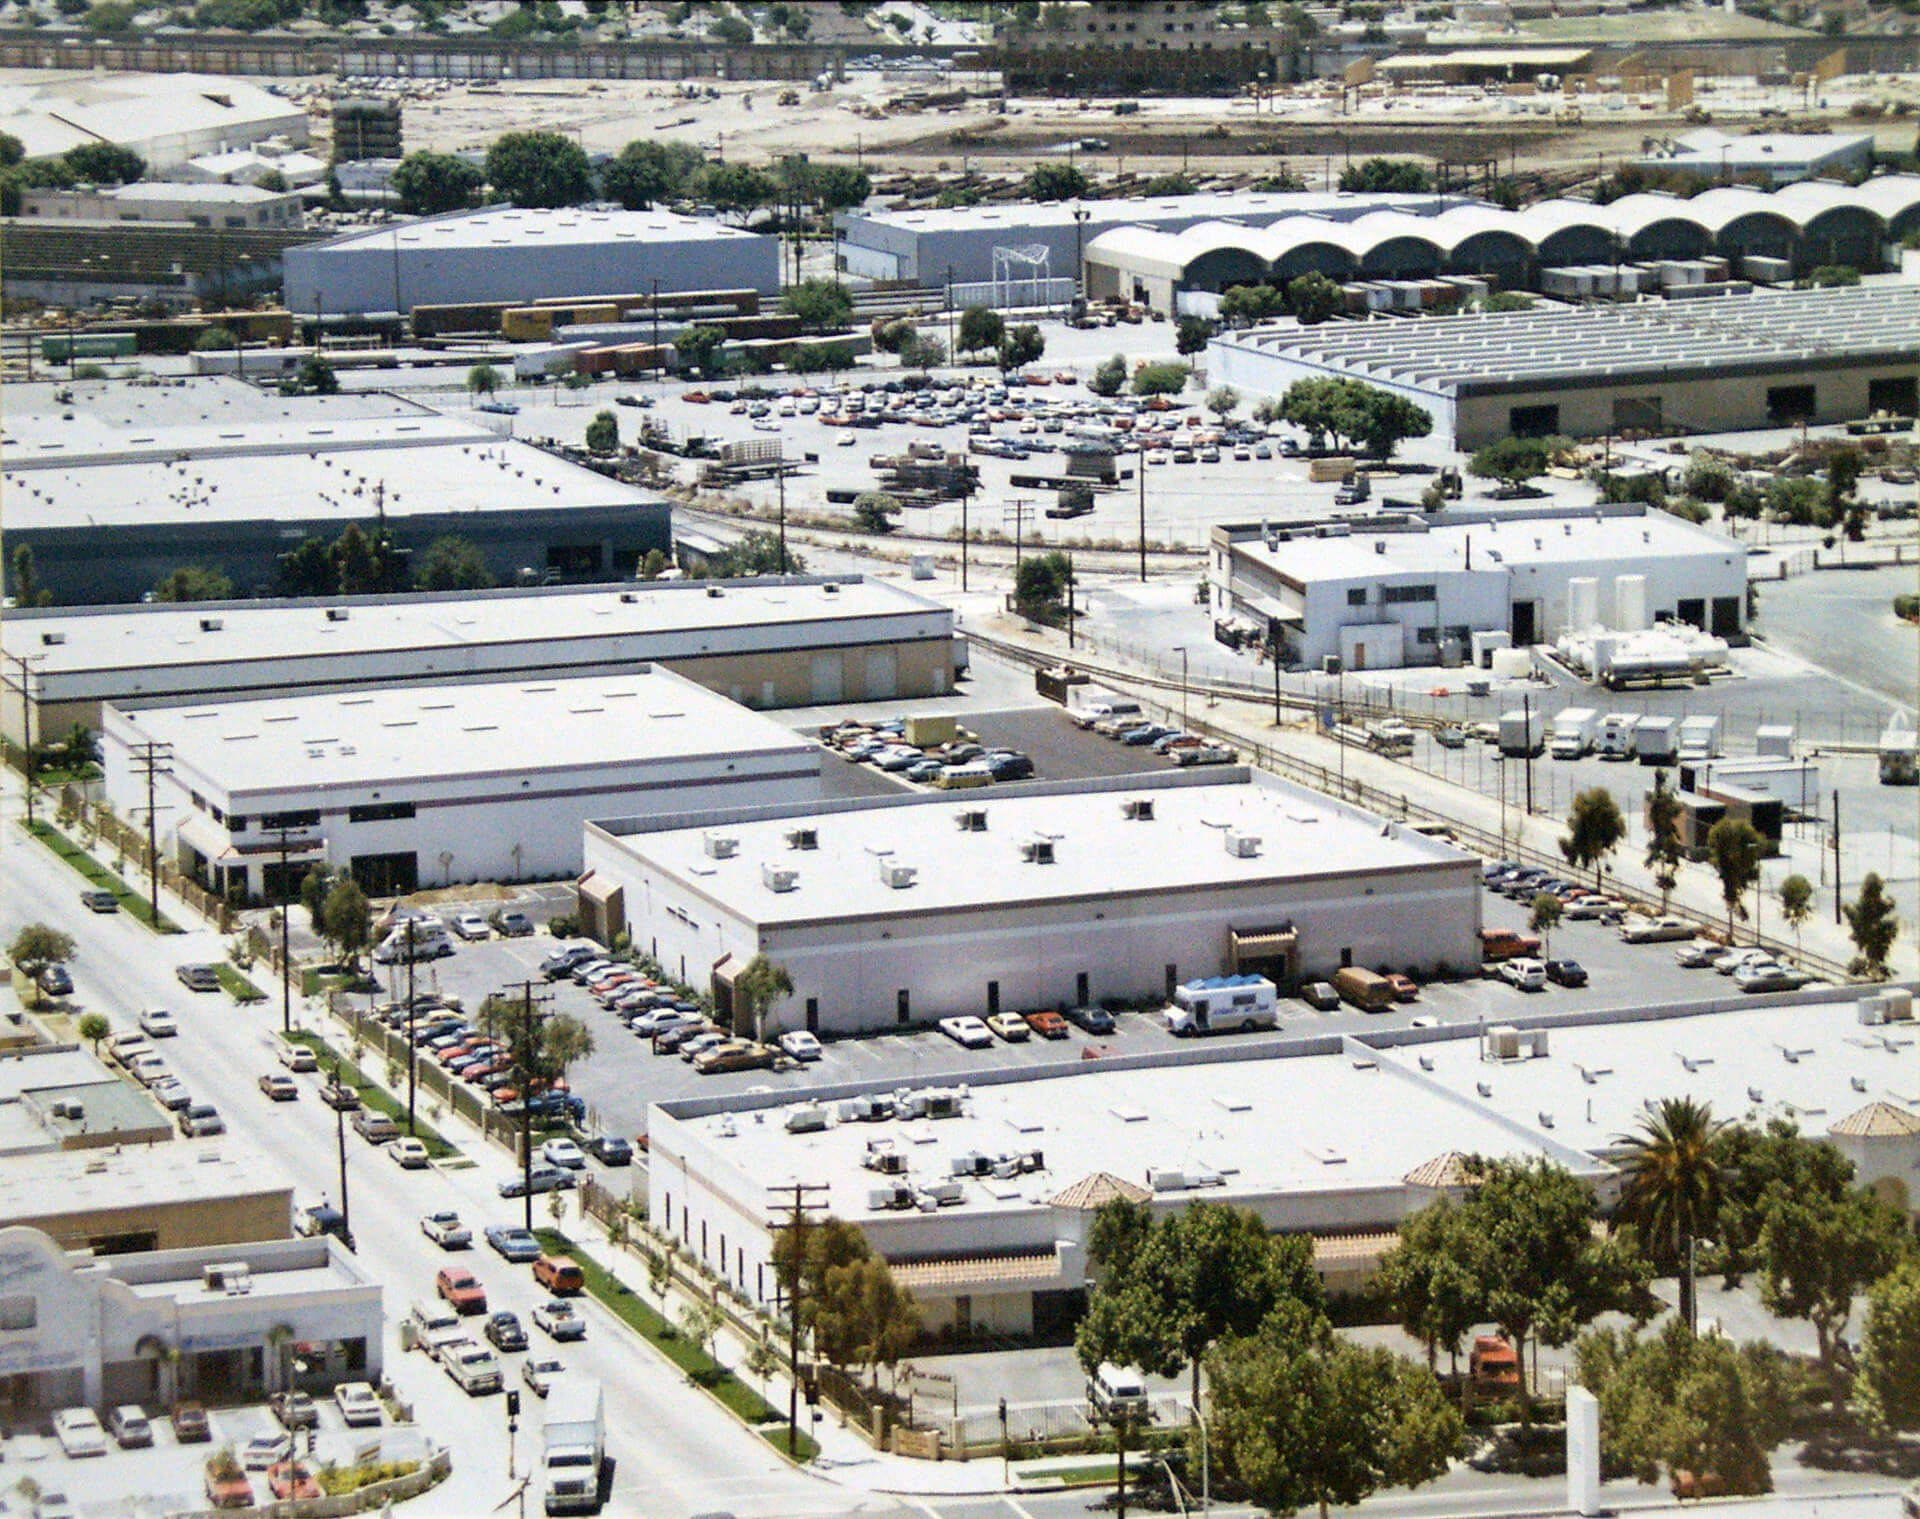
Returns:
(1583, 602)
(1630, 602)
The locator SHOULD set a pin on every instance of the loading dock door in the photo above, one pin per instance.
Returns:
(1523, 625)
(882, 681)
(829, 679)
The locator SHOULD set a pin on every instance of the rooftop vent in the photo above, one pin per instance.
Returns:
(899, 877)
(721, 846)
(1037, 851)
(830, 589)
(810, 1119)
(803, 838)
(1242, 846)
(1137, 809)
(234, 1278)
(337, 614)
(971, 819)
(51, 639)
(629, 597)
(775, 879)
(715, 592)
(212, 624)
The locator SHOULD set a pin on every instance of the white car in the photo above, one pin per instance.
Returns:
(408, 1154)
(968, 1032)
(1526, 974)
(358, 1402)
(445, 1230)
(699, 1044)
(263, 1451)
(800, 1045)
(1730, 961)
(1698, 954)
(541, 1372)
(157, 1023)
(557, 1317)
(470, 925)
(563, 1152)
(79, 1432)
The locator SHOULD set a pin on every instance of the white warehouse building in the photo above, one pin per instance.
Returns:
(506, 253)
(1414, 590)
(890, 912)
(428, 784)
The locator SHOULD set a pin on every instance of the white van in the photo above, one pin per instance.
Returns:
(430, 941)
(1117, 1392)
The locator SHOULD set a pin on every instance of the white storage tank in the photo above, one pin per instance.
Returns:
(1630, 603)
(1583, 603)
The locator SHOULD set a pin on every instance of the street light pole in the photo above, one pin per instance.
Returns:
(1181, 650)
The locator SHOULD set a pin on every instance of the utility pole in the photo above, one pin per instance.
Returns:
(796, 1226)
(287, 895)
(340, 1138)
(524, 1070)
(22, 661)
(659, 359)
(1140, 469)
(1526, 708)
(1071, 609)
(1019, 532)
(780, 476)
(949, 313)
(966, 496)
(1836, 859)
(153, 761)
(413, 1045)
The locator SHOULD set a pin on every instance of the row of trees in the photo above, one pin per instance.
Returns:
(1358, 415)
(91, 163)
(859, 1317)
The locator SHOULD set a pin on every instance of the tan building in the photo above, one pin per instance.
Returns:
(152, 1197)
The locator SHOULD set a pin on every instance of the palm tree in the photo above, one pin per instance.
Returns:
(1672, 1183)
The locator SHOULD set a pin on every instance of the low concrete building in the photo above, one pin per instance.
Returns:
(1781, 158)
(1412, 591)
(215, 1194)
(226, 206)
(166, 118)
(57, 1097)
(892, 912)
(769, 642)
(212, 1324)
(418, 785)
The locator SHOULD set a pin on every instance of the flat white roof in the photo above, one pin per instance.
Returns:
(649, 620)
(512, 226)
(1097, 852)
(63, 1182)
(1580, 543)
(396, 735)
(1258, 205)
(166, 190)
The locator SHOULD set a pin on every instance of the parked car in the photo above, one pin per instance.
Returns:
(445, 1230)
(967, 1032)
(170, 1094)
(540, 1373)
(563, 1152)
(733, 1055)
(692, 1045)
(1322, 996)
(543, 1178)
(129, 1427)
(610, 1150)
(512, 1243)
(1699, 954)
(157, 1023)
(278, 1086)
(339, 1097)
(1566, 973)
(1655, 930)
(1047, 1024)
(1091, 1020)
(56, 981)
(1770, 976)
(98, 899)
(408, 1154)
(560, 1275)
(358, 1403)
(199, 1120)
(294, 1409)
(190, 1424)
(1010, 1027)
(1524, 973)
(375, 1128)
(79, 1433)
(505, 1332)
(562, 961)
(263, 1451)
(799, 1045)
(460, 1289)
(1729, 961)
(558, 1318)
(470, 925)
(1405, 988)
(513, 925)
(198, 978)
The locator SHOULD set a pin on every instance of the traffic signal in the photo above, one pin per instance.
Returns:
(513, 1403)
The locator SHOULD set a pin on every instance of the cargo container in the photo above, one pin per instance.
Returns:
(1522, 732)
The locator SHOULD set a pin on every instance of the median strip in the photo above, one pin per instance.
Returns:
(134, 905)
(372, 1095)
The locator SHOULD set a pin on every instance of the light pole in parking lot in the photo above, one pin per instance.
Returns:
(340, 1138)
(1181, 650)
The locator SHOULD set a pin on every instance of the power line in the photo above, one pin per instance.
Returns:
(796, 1226)
(26, 717)
(153, 760)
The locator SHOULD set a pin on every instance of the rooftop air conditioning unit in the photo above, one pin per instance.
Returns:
(628, 597)
(807, 1120)
(1137, 809)
(212, 624)
(1243, 846)
(946, 1194)
(715, 592)
(1504, 1042)
(1546, 1119)
(337, 614)
(803, 838)
(779, 880)
(886, 1162)
(721, 846)
(971, 819)
(234, 1278)
(943, 1105)
(972, 1163)
(1166, 1179)
(51, 639)
(1037, 851)
(890, 1199)
(830, 589)
(899, 877)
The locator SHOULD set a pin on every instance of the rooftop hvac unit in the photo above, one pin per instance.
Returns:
(212, 624)
(830, 589)
(1484, 1088)
(1138, 809)
(1546, 1119)
(1503, 1042)
(715, 592)
(890, 1199)
(803, 838)
(234, 1278)
(629, 597)
(721, 846)
(52, 639)
(775, 879)
(1871, 1012)
(1166, 1179)
(886, 1162)
(971, 819)
(1898, 1004)
(337, 614)
(946, 1194)
(810, 1119)
(866, 1110)
(972, 1163)
(1754, 1094)
(899, 877)
(943, 1104)
(1243, 846)
(1037, 851)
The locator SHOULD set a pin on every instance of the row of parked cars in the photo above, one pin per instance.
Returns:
(438, 1327)
(954, 766)
(1125, 723)
(1578, 903)
(1752, 968)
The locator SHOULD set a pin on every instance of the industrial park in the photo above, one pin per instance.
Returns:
(963, 760)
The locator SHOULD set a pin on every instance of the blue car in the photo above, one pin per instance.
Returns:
(512, 1243)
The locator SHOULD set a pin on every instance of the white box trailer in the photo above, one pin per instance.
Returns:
(1614, 737)
(1700, 737)
(575, 1436)
(1656, 740)
(1573, 731)
(1522, 732)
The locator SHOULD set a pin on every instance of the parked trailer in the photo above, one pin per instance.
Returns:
(1656, 740)
(1700, 737)
(1573, 731)
(1522, 732)
(1614, 739)
(576, 1445)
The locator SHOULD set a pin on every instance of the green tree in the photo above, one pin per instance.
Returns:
(981, 329)
(1376, 175)
(732, 30)
(94, 1028)
(1709, 477)
(839, 187)
(1887, 1392)
(483, 379)
(193, 582)
(36, 947)
(1249, 303)
(366, 565)
(1313, 298)
(1161, 379)
(1543, 917)
(1425, 1277)
(1671, 1192)
(564, 1042)
(1757, 1166)
(105, 163)
(1833, 276)
(1512, 461)
(1663, 836)
(874, 511)
(647, 172)
(1594, 830)
(760, 984)
(309, 570)
(216, 340)
(1538, 1271)
(432, 184)
(1021, 346)
(1873, 925)
(1040, 585)
(26, 584)
(699, 347)
(1323, 1421)
(316, 377)
(453, 563)
(756, 553)
(1817, 1254)
(821, 304)
(922, 351)
(700, 1322)
(12, 150)
(1796, 903)
(603, 434)
(346, 920)
(864, 1317)
(1191, 334)
(539, 169)
(1223, 401)
(314, 886)
(1734, 847)
(1110, 378)
(1050, 182)
(738, 188)
(654, 565)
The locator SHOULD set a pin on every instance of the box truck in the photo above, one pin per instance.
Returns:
(1614, 740)
(1222, 1003)
(1522, 732)
(1656, 740)
(1700, 737)
(574, 1432)
(1573, 731)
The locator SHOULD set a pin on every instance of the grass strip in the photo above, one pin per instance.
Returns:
(642, 1317)
(372, 1095)
(237, 986)
(1073, 1476)
(134, 905)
